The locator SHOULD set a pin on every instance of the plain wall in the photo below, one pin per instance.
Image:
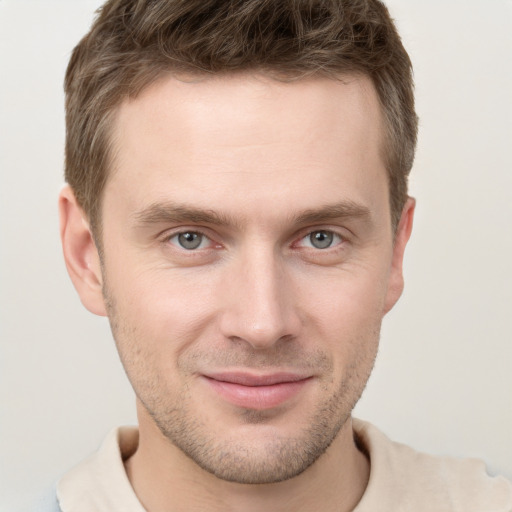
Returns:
(443, 377)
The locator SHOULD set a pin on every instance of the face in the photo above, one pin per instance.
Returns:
(248, 262)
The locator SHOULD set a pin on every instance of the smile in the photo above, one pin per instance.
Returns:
(257, 392)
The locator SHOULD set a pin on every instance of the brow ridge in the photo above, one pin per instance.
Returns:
(341, 210)
(170, 212)
(175, 213)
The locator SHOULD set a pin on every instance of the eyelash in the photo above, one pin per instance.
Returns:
(170, 237)
(337, 240)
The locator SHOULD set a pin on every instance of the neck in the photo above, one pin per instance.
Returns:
(166, 480)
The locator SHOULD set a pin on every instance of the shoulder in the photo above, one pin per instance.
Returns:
(404, 479)
(99, 483)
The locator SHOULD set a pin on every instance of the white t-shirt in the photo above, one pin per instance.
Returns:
(401, 479)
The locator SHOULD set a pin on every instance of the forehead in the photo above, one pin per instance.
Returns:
(208, 137)
(199, 105)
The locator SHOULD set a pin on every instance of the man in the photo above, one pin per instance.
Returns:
(237, 206)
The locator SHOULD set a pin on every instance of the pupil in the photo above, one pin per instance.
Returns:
(321, 239)
(190, 240)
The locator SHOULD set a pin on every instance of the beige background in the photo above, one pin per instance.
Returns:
(443, 379)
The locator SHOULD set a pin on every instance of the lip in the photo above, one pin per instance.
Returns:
(253, 391)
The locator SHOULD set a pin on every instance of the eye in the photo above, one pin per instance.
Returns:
(321, 239)
(190, 240)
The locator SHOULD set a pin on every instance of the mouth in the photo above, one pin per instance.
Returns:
(257, 392)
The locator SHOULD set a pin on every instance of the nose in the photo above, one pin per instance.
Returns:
(259, 302)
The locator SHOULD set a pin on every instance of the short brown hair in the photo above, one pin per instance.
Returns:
(133, 42)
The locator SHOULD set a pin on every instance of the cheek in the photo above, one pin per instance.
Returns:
(346, 297)
(345, 313)
(156, 316)
(163, 300)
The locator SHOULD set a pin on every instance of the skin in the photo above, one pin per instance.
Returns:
(251, 168)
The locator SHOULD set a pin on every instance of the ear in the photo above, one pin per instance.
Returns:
(80, 252)
(402, 235)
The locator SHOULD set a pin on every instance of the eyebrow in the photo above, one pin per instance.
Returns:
(173, 213)
(341, 210)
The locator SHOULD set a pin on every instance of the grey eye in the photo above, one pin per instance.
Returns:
(321, 239)
(190, 240)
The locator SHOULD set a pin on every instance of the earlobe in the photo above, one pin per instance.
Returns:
(402, 235)
(80, 252)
